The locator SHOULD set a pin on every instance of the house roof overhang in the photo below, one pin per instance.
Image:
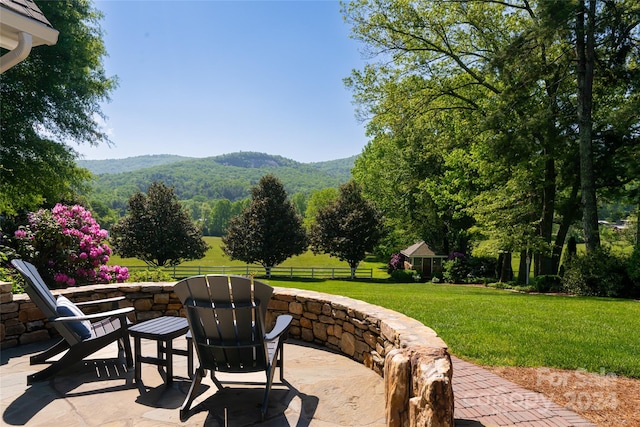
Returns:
(22, 26)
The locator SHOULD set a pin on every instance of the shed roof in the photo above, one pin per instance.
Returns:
(420, 249)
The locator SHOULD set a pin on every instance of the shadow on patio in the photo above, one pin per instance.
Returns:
(321, 388)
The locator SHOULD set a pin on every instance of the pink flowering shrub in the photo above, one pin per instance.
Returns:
(68, 247)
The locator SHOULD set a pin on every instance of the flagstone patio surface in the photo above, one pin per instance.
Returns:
(322, 389)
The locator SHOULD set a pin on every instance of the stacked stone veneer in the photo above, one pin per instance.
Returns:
(411, 357)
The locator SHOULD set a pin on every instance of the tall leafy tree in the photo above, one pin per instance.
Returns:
(608, 34)
(499, 81)
(299, 200)
(585, 49)
(51, 99)
(269, 230)
(347, 228)
(157, 229)
(419, 177)
(318, 200)
(219, 217)
(449, 84)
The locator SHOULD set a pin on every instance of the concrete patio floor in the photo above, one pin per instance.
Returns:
(322, 389)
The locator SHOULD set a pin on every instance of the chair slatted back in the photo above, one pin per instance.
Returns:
(226, 316)
(42, 297)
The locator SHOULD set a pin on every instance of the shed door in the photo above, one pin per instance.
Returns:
(426, 267)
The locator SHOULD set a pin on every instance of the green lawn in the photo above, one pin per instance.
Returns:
(503, 328)
(490, 326)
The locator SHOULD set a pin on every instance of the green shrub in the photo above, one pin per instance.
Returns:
(633, 270)
(598, 273)
(456, 269)
(405, 276)
(10, 275)
(462, 269)
(548, 283)
(524, 288)
(4, 271)
(150, 275)
(511, 285)
(437, 277)
(482, 268)
(633, 267)
(499, 285)
(472, 280)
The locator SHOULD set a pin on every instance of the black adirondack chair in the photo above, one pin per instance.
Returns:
(81, 334)
(226, 317)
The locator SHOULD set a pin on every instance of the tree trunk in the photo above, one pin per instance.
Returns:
(545, 262)
(523, 268)
(638, 226)
(506, 271)
(585, 54)
(568, 215)
(550, 265)
(353, 265)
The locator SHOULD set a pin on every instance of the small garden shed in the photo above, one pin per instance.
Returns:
(422, 258)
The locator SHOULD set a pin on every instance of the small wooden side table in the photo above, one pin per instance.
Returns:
(163, 330)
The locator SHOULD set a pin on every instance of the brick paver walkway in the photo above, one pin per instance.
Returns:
(485, 399)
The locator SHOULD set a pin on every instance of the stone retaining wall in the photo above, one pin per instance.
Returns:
(411, 357)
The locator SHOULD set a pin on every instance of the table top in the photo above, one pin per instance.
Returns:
(165, 327)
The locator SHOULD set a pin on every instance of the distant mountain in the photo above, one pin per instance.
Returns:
(130, 163)
(340, 167)
(228, 176)
(252, 160)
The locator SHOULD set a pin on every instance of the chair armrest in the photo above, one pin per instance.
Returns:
(95, 316)
(100, 301)
(283, 322)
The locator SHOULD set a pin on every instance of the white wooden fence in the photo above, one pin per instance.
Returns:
(179, 272)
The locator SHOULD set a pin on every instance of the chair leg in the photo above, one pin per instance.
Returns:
(138, 361)
(71, 357)
(271, 370)
(197, 378)
(46, 373)
(125, 341)
(265, 401)
(57, 348)
(215, 380)
(190, 356)
(281, 361)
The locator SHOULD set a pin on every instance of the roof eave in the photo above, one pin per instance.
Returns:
(13, 23)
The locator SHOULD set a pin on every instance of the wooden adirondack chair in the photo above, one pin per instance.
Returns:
(226, 317)
(81, 334)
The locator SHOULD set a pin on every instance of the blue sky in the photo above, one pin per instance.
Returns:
(204, 78)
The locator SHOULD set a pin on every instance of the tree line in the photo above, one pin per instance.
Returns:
(214, 216)
(69, 248)
(509, 120)
(157, 228)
